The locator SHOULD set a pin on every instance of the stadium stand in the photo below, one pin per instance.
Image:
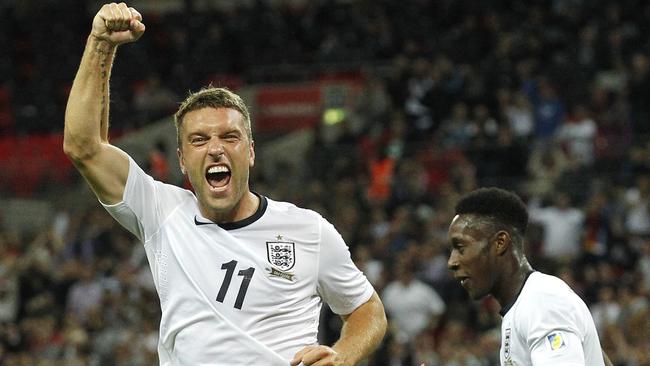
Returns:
(397, 108)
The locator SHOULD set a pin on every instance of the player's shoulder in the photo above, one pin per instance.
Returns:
(547, 302)
(545, 280)
(288, 210)
(543, 284)
(304, 225)
(542, 290)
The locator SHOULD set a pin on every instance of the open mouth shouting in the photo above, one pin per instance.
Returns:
(218, 177)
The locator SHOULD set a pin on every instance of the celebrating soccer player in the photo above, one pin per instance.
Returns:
(241, 278)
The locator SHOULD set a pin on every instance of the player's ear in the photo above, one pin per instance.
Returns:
(251, 160)
(502, 241)
(180, 160)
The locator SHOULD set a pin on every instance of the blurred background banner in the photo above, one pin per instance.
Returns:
(288, 107)
(28, 163)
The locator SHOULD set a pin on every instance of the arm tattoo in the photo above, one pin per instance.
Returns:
(105, 56)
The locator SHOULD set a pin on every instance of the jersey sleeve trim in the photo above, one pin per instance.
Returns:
(367, 294)
(120, 211)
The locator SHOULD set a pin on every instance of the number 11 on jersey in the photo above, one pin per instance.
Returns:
(230, 269)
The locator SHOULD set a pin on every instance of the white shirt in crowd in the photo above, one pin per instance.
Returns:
(562, 236)
(579, 137)
(637, 218)
(412, 306)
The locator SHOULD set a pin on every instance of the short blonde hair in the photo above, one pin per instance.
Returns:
(212, 97)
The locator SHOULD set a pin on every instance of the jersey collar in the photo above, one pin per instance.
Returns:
(241, 223)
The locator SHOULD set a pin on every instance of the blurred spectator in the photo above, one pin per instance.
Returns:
(152, 100)
(457, 130)
(576, 180)
(410, 183)
(615, 131)
(577, 134)
(486, 125)
(606, 310)
(373, 103)
(644, 266)
(549, 111)
(412, 305)
(85, 295)
(562, 227)
(454, 346)
(381, 178)
(420, 115)
(545, 166)
(639, 85)
(600, 226)
(9, 286)
(157, 164)
(371, 267)
(424, 352)
(637, 201)
(433, 258)
(519, 112)
(8, 297)
(502, 161)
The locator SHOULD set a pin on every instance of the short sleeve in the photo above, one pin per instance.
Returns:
(552, 332)
(146, 203)
(340, 283)
(558, 348)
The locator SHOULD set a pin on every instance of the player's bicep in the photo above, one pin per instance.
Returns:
(106, 173)
(558, 348)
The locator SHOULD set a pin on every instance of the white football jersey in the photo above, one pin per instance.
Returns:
(549, 325)
(243, 293)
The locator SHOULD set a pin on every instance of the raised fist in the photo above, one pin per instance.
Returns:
(117, 24)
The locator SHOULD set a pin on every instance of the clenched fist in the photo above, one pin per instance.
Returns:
(117, 24)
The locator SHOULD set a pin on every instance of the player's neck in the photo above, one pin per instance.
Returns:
(245, 208)
(513, 281)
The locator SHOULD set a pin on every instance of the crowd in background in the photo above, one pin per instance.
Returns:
(550, 99)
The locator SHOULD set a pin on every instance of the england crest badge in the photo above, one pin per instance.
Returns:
(506, 344)
(281, 254)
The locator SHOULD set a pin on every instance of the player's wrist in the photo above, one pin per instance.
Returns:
(101, 45)
(346, 358)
